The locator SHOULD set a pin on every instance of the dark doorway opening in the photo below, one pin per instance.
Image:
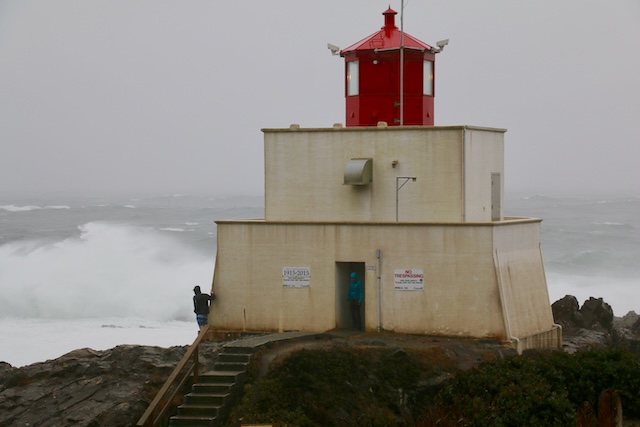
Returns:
(343, 315)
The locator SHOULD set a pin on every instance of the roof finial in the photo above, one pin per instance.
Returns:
(389, 19)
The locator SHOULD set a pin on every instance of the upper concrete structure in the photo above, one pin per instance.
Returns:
(454, 167)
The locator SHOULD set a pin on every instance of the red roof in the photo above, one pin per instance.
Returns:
(387, 38)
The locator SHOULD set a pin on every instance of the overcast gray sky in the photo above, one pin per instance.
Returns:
(170, 96)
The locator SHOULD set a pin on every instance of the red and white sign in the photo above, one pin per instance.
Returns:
(408, 279)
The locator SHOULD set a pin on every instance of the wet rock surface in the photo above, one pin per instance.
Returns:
(114, 387)
(594, 325)
(86, 387)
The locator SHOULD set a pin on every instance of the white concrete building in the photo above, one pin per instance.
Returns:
(436, 255)
(417, 211)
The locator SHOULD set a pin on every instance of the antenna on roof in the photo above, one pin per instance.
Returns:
(401, 63)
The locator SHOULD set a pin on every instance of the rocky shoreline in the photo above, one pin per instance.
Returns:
(594, 325)
(114, 387)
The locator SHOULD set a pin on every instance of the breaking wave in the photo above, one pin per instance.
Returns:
(14, 208)
(110, 270)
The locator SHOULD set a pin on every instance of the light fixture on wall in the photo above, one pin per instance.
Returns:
(404, 180)
(335, 50)
(441, 44)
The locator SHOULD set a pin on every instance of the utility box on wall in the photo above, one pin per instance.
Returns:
(358, 172)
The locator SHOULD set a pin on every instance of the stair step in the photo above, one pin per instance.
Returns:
(222, 377)
(213, 399)
(212, 388)
(230, 366)
(178, 421)
(210, 398)
(198, 411)
(238, 350)
(234, 357)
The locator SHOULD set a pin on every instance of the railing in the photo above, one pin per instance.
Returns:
(174, 384)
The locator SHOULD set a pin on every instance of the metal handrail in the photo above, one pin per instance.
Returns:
(160, 404)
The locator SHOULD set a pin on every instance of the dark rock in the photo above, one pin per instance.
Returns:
(626, 332)
(432, 385)
(566, 312)
(585, 339)
(399, 353)
(594, 325)
(86, 387)
(5, 370)
(596, 314)
(629, 321)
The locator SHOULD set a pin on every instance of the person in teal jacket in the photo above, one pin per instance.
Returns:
(355, 300)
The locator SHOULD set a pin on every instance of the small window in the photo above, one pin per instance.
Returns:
(428, 78)
(352, 78)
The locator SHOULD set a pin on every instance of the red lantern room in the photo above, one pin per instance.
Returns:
(373, 86)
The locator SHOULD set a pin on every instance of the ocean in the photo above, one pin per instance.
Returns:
(102, 271)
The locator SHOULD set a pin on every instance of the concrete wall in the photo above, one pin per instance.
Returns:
(304, 173)
(467, 286)
(518, 261)
(484, 155)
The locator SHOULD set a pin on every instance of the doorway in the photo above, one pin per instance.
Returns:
(343, 315)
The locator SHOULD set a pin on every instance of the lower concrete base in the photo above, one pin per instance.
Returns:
(551, 339)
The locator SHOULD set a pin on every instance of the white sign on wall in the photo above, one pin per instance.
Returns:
(296, 277)
(408, 279)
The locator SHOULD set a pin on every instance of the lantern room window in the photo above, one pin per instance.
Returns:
(428, 78)
(353, 78)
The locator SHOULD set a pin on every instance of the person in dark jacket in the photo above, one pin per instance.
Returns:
(201, 306)
(355, 300)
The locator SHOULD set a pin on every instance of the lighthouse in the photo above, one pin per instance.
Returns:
(416, 211)
(389, 77)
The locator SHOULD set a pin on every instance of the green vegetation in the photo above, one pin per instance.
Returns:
(339, 387)
(537, 389)
(381, 387)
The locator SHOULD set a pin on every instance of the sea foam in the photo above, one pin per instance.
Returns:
(110, 270)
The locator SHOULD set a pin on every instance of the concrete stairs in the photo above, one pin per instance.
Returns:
(211, 400)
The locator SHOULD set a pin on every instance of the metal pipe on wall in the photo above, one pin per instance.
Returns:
(378, 254)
